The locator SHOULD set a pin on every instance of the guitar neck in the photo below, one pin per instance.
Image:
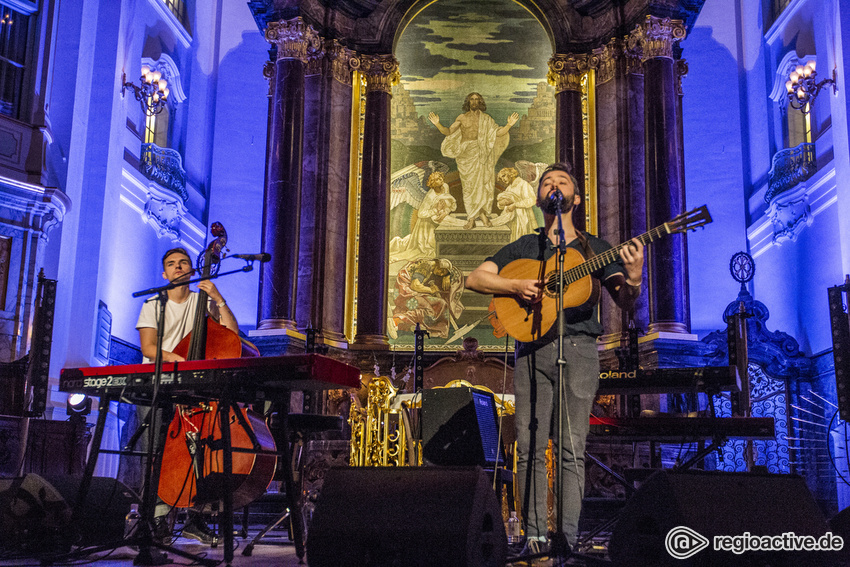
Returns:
(611, 255)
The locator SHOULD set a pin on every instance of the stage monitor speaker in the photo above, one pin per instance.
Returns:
(102, 516)
(460, 427)
(701, 505)
(410, 516)
(33, 514)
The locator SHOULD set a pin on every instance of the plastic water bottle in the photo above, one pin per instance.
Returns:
(131, 521)
(513, 529)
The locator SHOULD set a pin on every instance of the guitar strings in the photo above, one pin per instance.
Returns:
(599, 261)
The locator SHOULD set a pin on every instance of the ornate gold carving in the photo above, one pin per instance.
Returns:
(609, 55)
(681, 71)
(633, 52)
(343, 61)
(380, 71)
(315, 62)
(567, 69)
(294, 39)
(268, 74)
(656, 37)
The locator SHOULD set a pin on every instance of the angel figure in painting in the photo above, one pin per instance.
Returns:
(518, 200)
(476, 142)
(433, 210)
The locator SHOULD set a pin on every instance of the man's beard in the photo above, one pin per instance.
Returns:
(553, 206)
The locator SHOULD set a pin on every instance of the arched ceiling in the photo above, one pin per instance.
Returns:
(372, 26)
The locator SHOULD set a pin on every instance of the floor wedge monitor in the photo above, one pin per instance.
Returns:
(709, 518)
(411, 516)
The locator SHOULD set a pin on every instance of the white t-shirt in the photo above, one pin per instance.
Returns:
(179, 319)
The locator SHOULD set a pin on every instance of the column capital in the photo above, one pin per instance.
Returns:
(294, 39)
(380, 71)
(609, 55)
(656, 37)
(566, 70)
(342, 60)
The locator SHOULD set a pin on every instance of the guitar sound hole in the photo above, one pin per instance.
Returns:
(551, 288)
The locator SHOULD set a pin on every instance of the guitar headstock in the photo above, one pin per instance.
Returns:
(690, 220)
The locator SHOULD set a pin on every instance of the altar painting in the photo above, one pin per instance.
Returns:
(473, 126)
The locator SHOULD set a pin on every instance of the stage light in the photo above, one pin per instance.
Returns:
(78, 404)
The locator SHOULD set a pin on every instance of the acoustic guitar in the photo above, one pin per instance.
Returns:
(527, 321)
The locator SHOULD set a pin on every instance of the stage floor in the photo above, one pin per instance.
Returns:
(281, 553)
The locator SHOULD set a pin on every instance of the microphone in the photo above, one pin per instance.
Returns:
(261, 257)
(554, 203)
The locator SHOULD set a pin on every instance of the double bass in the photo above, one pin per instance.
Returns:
(193, 458)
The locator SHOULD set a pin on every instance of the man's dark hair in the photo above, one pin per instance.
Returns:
(469, 96)
(178, 250)
(560, 166)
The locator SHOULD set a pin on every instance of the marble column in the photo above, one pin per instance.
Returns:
(565, 73)
(665, 198)
(380, 71)
(682, 70)
(324, 193)
(282, 200)
(620, 167)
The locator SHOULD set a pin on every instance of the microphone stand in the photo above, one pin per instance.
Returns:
(560, 545)
(150, 551)
(173, 285)
(148, 556)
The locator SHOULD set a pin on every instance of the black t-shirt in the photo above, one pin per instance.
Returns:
(583, 320)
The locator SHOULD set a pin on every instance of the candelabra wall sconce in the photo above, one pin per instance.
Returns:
(803, 87)
(152, 94)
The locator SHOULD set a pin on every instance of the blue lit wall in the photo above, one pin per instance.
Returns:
(714, 161)
(732, 129)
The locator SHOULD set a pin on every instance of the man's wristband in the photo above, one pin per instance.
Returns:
(221, 304)
(632, 285)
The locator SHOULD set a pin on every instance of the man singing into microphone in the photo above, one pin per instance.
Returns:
(179, 320)
(536, 363)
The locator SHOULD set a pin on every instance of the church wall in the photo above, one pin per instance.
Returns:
(728, 153)
(92, 164)
(820, 270)
(714, 160)
(238, 149)
(110, 246)
(838, 21)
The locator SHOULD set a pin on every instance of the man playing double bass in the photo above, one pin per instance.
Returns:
(179, 320)
(536, 362)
